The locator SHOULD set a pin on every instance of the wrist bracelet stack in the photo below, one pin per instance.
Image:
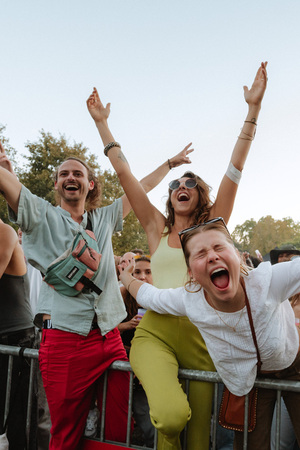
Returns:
(250, 137)
(109, 146)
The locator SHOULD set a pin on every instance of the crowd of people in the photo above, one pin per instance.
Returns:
(184, 305)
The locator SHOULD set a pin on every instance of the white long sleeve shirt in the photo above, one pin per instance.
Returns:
(234, 352)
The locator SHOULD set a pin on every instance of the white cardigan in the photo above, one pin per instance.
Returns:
(234, 353)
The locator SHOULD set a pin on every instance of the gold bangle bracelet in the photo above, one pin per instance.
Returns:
(134, 279)
(245, 139)
(249, 135)
(250, 121)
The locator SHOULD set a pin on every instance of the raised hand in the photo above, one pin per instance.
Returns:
(255, 95)
(181, 157)
(96, 109)
(4, 161)
(127, 263)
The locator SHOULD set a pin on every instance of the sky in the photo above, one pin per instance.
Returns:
(174, 73)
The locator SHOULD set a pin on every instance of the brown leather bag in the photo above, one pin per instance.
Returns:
(232, 409)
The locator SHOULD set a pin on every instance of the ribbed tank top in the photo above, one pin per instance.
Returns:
(168, 266)
(15, 311)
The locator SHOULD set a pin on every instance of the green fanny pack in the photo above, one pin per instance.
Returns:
(75, 269)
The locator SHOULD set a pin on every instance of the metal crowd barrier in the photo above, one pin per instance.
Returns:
(184, 374)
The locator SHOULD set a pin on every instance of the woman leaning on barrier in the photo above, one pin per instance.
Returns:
(216, 301)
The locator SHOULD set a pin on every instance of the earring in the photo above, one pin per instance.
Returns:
(189, 283)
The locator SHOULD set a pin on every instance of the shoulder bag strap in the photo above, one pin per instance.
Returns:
(259, 363)
(89, 223)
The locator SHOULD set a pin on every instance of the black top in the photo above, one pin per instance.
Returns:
(15, 310)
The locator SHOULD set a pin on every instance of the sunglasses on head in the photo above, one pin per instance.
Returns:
(190, 183)
(217, 219)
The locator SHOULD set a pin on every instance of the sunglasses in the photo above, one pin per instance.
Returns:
(190, 183)
(217, 219)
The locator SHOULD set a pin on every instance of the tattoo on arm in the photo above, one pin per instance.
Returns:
(122, 157)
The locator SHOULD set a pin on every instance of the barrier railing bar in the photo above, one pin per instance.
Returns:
(30, 399)
(129, 409)
(278, 416)
(187, 374)
(245, 437)
(187, 391)
(215, 417)
(102, 423)
(8, 388)
(155, 439)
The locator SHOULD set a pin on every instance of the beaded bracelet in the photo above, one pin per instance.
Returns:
(109, 146)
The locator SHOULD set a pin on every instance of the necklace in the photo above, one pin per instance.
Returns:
(229, 326)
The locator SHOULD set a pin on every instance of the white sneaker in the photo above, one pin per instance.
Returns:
(92, 423)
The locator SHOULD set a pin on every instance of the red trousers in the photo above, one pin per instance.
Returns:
(71, 367)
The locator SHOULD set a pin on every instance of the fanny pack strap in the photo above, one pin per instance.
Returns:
(84, 280)
(89, 224)
(90, 285)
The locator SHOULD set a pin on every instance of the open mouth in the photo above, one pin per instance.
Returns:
(71, 187)
(183, 197)
(220, 278)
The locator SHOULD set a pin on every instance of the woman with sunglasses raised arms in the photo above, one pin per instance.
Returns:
(162, 343)
(217, 300)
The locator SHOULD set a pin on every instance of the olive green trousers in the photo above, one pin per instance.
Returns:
(162, 344)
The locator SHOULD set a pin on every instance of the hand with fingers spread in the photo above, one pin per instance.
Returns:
(181, 157)
(255, 95)
(4, 161)
(96, 109)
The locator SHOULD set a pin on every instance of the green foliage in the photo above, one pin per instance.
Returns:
(266, 234)
(133, 235)
(242, 234)
(3, 210)
(11, 152)
(44, 156)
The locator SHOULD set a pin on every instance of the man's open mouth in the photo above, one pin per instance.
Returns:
(220, 278)
(71, 187)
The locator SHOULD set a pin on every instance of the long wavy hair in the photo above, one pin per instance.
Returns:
(201, 213)
(93, 199)
(294, 300)
(131, 306)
